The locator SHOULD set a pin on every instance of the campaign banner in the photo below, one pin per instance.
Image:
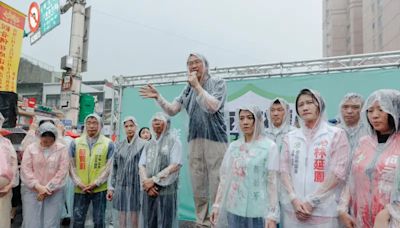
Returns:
(11, 34)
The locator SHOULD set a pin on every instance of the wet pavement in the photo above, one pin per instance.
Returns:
(18, 222)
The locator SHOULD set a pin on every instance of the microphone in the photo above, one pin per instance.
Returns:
(187, 90)
(189, 87)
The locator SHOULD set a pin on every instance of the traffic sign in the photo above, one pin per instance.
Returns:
(34, 17)
(35, 36)
(50, 15)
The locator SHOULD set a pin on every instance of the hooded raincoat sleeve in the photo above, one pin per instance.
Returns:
(169, 108)
(142, 167)
(344, 200)
(394, 206)
(212, 101)
(170, 174)
(390, 216)
(58, 181)
(285, 170)
(103, 177)
(27, 175)
(223, 175)
(8, 162)
(209, 101)
(112, 178)
(14, 164)
(8, 171)
(72, 167)
(273, 185)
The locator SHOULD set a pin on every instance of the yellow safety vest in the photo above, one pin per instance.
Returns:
(90, 163)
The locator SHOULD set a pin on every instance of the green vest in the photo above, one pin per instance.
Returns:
(90, 163)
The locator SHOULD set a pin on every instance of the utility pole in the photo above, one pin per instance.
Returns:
(73, 62)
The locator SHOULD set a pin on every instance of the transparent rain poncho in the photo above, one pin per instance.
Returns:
(8, 175)
(207, 133)
(7, 171)
(159, 164)
(353, 133)
(68, 188)
(247, 193)
(124, 180)
(205, 109)
(373, 170)
(394, 206)
(313, 169)
(91, 162)
(276, 134)
(103, 176)
(47, 167)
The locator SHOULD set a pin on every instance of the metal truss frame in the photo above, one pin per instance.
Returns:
(349, 63)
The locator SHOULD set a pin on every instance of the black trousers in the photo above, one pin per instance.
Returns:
(160, 211)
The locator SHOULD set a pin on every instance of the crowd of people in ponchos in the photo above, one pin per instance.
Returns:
(312, 175)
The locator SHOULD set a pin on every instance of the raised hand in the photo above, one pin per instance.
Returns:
(149, 91)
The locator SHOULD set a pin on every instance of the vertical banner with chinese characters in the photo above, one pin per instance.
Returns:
(11, 34)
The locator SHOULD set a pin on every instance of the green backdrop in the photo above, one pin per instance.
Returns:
(332, 86)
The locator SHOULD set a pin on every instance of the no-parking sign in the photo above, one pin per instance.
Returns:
(34, 17)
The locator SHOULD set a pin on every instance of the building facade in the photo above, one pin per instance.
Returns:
(360, 26)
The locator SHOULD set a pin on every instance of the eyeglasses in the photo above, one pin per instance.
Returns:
(194, 62)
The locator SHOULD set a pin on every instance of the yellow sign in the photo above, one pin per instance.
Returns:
(11, 35)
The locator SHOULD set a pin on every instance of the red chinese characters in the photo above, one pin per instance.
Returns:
(82, 159)
(319, 162)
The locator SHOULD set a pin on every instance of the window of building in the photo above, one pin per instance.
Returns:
(53, 100)
(107, 104)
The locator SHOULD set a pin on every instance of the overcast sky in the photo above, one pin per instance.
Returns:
(133, 37)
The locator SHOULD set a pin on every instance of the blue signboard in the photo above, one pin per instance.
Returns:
(67, 123)
(49, 15)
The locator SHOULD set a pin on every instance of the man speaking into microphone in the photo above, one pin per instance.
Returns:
(204, 100)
